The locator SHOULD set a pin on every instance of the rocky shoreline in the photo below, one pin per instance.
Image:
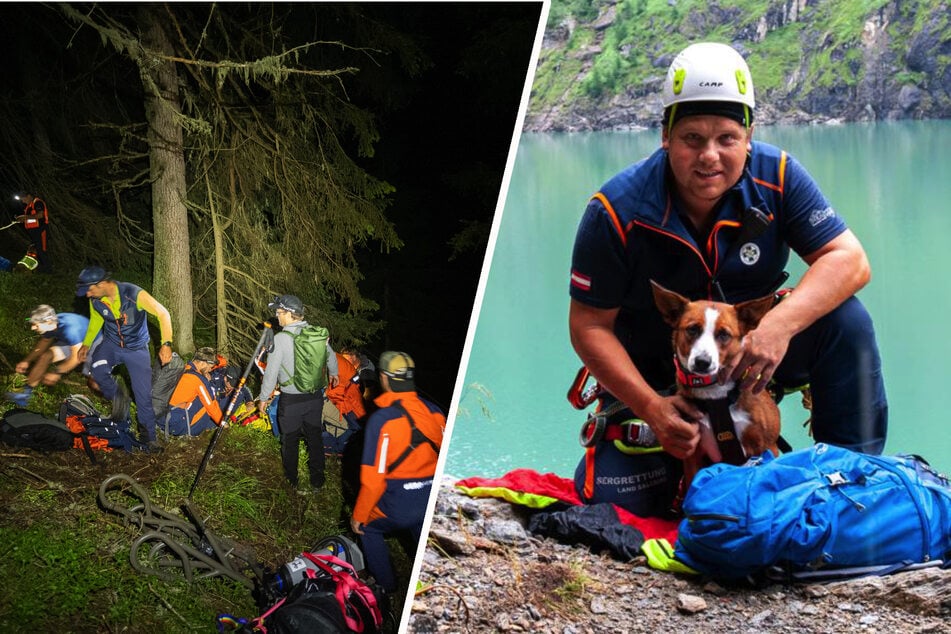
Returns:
(483, 571)
(625, 114)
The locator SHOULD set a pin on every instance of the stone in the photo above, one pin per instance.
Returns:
(598, 605)
(909, 97)
(497, 589)
(505, 531)
(690, 604)
(762, 618)
(451, 544)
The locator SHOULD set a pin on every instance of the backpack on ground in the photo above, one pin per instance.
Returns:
(164, 380)
(105, 433)
(80, 415)
(23, 428)
(332, 598)
(319, 591)
(310, 359)
(815, 511)
(77, 404)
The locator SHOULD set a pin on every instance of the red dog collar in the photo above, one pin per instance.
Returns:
(692, 380)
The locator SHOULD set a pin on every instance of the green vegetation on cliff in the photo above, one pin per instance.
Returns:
(846, 59)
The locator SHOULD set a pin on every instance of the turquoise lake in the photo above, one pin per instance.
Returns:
(890, 181)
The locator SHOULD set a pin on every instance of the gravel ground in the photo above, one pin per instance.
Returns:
(483, 571)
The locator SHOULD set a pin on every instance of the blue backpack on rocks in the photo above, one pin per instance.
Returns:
(821, 511)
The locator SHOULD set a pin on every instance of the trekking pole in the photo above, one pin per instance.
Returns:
(9, 225)
(266, 337)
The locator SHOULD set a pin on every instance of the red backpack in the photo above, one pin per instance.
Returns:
(331, 599)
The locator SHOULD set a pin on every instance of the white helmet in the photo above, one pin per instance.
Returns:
(708, 71)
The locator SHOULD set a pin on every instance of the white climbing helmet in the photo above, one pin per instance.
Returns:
(708, 71)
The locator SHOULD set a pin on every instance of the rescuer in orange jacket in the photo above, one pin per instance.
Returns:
(36, 220)
(400, 452)
(347, 395)
(192, 406)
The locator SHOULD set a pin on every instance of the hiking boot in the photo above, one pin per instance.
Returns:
(21, 398)
(121, 403)
(155, 447)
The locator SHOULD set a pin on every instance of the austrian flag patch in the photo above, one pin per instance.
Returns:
(580, 281)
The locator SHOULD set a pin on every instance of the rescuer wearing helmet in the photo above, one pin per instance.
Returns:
(36, 221)
(712, 215)
(119, 311)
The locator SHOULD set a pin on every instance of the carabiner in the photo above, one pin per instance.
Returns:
(578, 396)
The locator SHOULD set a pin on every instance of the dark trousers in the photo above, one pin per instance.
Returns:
(138, 363)
(405, 508)
(644, 484)
(301, 415)
(838, 357)
(178, 421)
(40, 238)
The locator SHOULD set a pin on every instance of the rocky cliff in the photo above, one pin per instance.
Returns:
(602, 64)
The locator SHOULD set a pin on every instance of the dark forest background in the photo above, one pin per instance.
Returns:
(418, 101)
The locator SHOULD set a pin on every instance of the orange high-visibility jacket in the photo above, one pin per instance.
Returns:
(35, 214)
(193, 385)
(347, 396)
(388, 434)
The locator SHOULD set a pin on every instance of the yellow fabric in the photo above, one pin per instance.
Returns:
(531, 500)
(634, 450)
(660, 556)
(261, 423)
(247, 415)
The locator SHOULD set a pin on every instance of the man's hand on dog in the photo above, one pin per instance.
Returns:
(763, 350)
(673, 420)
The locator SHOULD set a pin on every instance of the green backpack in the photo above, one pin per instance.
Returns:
(310, 358)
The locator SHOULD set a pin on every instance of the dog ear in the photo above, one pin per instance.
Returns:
(670, 304)
(750, 313)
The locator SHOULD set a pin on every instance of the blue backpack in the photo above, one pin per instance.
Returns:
(815, 510)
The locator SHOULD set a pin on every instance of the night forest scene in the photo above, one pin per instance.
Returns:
(221, 154)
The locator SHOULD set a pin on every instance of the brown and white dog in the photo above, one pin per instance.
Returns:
(736, 423)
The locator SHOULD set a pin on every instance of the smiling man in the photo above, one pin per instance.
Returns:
(713, 214)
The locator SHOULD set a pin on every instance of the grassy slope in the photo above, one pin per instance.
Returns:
(65, 562)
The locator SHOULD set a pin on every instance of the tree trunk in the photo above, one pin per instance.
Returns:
(221, 300)
(172, 284)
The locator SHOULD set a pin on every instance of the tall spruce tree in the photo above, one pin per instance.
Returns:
(252, 132)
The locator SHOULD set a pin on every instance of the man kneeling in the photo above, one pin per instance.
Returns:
(193, 407)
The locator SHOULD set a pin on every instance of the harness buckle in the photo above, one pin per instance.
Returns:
(636, 432)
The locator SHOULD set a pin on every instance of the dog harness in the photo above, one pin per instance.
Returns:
(718, 411)
(721, 421)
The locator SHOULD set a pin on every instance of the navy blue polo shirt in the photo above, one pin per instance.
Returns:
(632, 232)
